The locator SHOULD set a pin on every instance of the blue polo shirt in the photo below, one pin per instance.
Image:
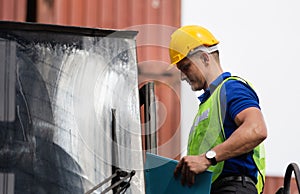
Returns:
(235, 96)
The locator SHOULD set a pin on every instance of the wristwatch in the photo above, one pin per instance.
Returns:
(211, 156)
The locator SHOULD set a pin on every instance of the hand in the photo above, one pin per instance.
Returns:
(189, 166)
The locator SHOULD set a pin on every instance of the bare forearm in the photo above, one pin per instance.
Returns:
(235, 146)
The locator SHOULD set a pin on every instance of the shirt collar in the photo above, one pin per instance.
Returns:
(213, 86)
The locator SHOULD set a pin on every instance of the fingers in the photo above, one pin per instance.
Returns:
(190, 178)
(178, 168)
(187, 176)
(184, 174)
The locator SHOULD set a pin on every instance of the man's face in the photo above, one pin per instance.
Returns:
(191, 73)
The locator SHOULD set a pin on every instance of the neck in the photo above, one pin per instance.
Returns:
(214, 71)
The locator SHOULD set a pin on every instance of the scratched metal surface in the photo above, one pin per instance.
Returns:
(67, 84)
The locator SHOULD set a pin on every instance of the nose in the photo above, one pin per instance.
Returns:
(182, 76)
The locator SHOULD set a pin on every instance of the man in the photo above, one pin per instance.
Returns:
(229, 128)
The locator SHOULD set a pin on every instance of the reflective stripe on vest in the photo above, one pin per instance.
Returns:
(207, 132)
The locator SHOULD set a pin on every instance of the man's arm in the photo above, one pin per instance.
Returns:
(251, 132)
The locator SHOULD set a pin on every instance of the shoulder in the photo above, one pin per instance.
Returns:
(237, 96)
(236, 87)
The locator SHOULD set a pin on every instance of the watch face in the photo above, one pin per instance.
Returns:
(210, 154)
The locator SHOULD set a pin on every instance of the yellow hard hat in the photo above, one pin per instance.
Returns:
(186, 39)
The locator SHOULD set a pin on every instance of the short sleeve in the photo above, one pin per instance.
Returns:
(237, 96)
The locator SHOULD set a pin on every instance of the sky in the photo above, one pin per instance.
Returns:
(259, 41)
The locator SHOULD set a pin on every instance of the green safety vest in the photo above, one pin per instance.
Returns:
(208, 131)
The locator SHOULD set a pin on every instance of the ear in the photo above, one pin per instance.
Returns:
(205, 58)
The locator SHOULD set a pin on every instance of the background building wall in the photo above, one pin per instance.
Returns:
(13, 10)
